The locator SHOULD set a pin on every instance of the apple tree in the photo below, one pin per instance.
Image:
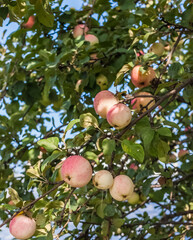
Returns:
(96, 119)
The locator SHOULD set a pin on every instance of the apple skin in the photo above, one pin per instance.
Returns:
(119, 116)
(134, 198)
(140, 79)
(76, 171)
(22, 227)
(30, 22)
(103, 179)
(122, 188)
(79, 30)
(133, 166)
(103, 101)
(157, 48)
(182, 153)
(102, 81)
(92, 39)
(140, 102)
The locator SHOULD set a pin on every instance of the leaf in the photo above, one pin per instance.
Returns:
(70, 126)
(133, 149)
(3, 12)
(100, 210)
(104, 228)
(143, 174)
(48, 160)
(32, 173)
(118, 222)
(88, 120)
(108, 146)
(122, 72)
(163, 131)
(14, 196)
(164, 85)
(50, 144)
(44, 16)
(175, 70)
(110, 210)
(91, 156)
(163, 149)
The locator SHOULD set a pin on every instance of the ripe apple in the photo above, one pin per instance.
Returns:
(103, 101)
(103, 179)
(30, 22)
(157, 48)
(79, 30)
(133, 198)
(102, 81)
(119, 115)
(76, 171)
(92, 39)
(182, 153)
(122, 187)
(22, 227)
(140, 79)
(142, 103)
(133, 166)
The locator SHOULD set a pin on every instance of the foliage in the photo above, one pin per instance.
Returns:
(39, 71)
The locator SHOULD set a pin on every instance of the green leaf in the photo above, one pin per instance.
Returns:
(163, 149)
(175, 70)
(44, 16)
(100, 210)
(50, 144)
(91, 156)
(143, 174)
(3, 12)
(133, 149)
(109, 211)
(70, 126)
(118, 222)
(163, 131)
(14, 196)
(88, 120)
(48, 160)
(32, 173)
(105, 228)
(108, 146)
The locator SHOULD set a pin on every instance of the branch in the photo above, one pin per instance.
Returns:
(30, 205)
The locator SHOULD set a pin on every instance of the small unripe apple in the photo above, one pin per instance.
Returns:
(22, 227)
(92, 39)
(79, 30)
(133, 166)
(157, 48)
(119, 115)
(76, 171)
(102, 81)
(133, 198)
(30, 22)
(122, 187)
(103, 101)
(182, 153)
(103, 179)
(142, 103)
(140, 79)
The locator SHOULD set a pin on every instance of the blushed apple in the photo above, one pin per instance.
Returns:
(79, 30)
(140, 79)
(92, 39)
(157, 48)
(103, 101)
(103, 179)
(182, 153)
(122, 187)
(119, 115)
(142, 103)
(133, 198)
(76, 171)
(22, 227)
(102, 81)
(133, 166)
(30, 22)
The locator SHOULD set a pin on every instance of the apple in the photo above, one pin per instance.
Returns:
(11, 203)
(93, 57)
(103, 179)
(122, 188)
(133, 198)
(140, 53)
(92, 39)
(142, 103)
(103, 101)
(22, 227)
(76, 171)
(79, 30)
(102, 81)
(140, 79)
(182, 153)
(133, 166)
(157, 48)
(119, 115)
(30, 22)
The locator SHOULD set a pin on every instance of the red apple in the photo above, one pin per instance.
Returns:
(92, 39)
(79, 30)
(143, 103)
(140, 53)
(22, 227)
(103, 101)
(140, 79)
(133, 166)
(103, 179)
(76, 171)
(30, 22)
(122, 187)
(119, 115)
